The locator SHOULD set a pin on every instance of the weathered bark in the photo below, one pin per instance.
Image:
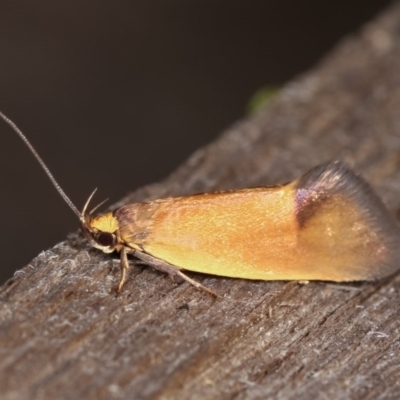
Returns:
(64, 334)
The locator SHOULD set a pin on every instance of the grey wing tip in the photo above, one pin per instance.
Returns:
(332, 175)
(335, 178)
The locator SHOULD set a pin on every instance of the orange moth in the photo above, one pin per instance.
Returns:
(326, 225)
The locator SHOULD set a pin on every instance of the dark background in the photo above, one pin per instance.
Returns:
(117, 94)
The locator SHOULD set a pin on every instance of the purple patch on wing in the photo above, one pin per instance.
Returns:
(307, 203)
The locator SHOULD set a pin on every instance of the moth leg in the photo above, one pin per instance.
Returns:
(124, 263)
(171, 270)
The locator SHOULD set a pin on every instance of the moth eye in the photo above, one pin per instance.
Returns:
(105, 239)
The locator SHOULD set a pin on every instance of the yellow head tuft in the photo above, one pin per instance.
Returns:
(105, 223)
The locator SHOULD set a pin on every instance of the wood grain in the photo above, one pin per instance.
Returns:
(64, 335)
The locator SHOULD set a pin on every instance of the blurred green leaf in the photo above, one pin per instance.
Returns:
(262, 98)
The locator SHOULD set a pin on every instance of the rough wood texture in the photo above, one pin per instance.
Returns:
(64, 335)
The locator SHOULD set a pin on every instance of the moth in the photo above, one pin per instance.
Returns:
(327, 225)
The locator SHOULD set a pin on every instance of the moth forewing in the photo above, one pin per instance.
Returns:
(327, 225)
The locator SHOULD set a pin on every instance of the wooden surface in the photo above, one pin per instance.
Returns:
(64, 335)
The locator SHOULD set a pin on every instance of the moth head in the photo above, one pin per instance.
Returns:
(101, 231)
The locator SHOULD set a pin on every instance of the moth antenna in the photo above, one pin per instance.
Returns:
(42, 163)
